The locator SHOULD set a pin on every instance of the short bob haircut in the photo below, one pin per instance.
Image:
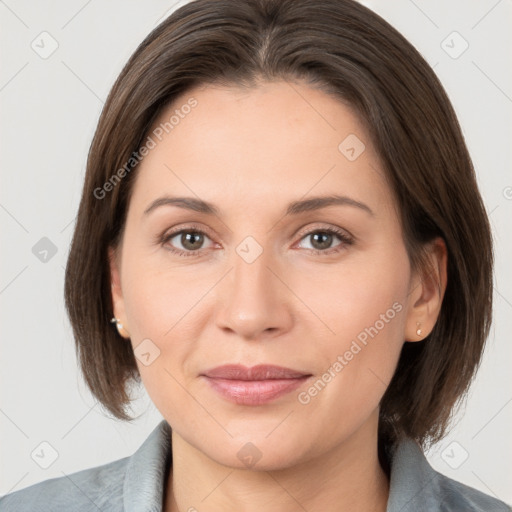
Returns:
(343, 49)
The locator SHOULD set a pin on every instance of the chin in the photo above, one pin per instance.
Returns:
(256, 452)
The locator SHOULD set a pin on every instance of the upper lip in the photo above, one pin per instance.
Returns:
(259, 372)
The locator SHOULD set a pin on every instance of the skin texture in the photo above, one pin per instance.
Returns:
(250, 153)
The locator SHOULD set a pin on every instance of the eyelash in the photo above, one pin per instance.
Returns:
(343, 236)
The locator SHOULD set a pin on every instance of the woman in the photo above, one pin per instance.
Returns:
(281, 236)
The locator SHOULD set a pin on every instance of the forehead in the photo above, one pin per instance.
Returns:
(276, 140)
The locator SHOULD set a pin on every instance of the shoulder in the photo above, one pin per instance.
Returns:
(97, 488)
(455, 496)
(135, 483)
(415, 485)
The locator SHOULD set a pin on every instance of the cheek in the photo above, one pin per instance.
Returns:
(362, 298)
(367, 312)
(156, 305)
(364, 308)
(157, 298)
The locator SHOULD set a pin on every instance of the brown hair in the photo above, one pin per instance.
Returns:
(346, 50)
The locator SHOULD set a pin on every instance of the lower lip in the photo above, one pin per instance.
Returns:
(254, 392)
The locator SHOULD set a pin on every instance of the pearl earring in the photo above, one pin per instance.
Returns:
(120, 329)
(418, 331)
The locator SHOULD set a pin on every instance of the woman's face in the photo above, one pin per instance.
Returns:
(271, 278)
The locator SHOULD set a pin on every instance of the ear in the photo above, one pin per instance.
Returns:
(116, 290)
(426, 292)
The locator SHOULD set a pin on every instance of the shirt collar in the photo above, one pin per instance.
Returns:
(412, 479)
(146, 473)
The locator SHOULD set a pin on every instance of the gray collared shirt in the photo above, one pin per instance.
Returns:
(136, 484)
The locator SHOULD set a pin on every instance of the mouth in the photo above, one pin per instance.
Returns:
(256, 385)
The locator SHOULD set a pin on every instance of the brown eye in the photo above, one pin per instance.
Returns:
(187, 242)
(322, 241)
(191, 240)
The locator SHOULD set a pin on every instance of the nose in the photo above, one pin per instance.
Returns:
(254, 302)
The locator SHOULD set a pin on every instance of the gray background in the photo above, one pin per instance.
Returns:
(50, 107)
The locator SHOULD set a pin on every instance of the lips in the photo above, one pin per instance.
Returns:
(256, 385)
(260, 372)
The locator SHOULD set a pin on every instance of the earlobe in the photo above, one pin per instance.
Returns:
(116, 290)
(427, 292)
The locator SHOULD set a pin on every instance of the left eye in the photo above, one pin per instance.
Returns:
(321, 240)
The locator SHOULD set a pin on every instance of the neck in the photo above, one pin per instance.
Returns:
(346, 478)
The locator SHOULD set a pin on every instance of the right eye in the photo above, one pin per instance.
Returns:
(190, 240)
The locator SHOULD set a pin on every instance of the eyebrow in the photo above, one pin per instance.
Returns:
(294, 208)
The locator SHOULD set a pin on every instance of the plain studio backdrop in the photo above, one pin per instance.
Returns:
(59, 60)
